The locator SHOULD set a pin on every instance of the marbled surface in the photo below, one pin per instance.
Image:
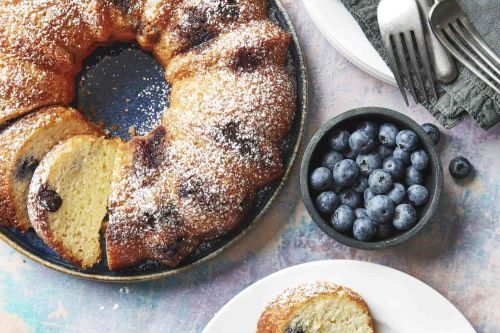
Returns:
(458, 255)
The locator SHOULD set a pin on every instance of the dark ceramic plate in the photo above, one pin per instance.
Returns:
(121, 86)
(348, 120)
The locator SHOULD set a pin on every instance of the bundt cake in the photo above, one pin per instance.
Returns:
(319, 307)
(68, 196)
(195, 176)
(22, 145)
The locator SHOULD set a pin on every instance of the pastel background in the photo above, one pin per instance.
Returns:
(458, 255)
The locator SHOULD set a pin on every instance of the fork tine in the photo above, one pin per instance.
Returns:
(477, 37)
(404, 64)
(414, 62)
(424, 56)
(389, 47)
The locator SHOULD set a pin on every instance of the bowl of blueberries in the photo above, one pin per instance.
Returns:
(371, 177)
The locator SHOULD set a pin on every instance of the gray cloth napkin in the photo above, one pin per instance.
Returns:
(467, 95)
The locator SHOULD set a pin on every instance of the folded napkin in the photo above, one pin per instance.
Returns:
(467, 95)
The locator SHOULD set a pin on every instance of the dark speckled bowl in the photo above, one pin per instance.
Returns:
(348, 120)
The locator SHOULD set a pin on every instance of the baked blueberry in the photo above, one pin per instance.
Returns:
(343, 218)
(368, 163)
(361, 141)
(331, 158)
(384, 151)
(413, 176)
(384, 231)
(363, 229)
(345, 172)
(397, 194)
(419, 159)
(401, 154)
(368, 195)
(432, 131)
(350, 198)
(387, 134)
(407, 140)
(360, 212)
(380, 181)
(405, 217)
(360, 184)
(339, 141)
(395, 167)
(369, 126)
(327, 202)
(50, 200)
(380, 209)
(418, 195)
(460, 167)
(321, 178)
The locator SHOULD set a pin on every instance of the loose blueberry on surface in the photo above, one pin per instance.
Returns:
(360, 184)
(369, 126)
(432, 131)
(384, 231)
(350, 198)
(368, 163)
(395, 167)
(368, 195)
(387, 134)
(339, 141)
(418, 195)
(384, 151)
(363, 229)
(407, 140)
(419, 159)
(380, 209)
(331, 158)
(321, 179)
(380, 181)
(397, 194)
(403, 155)
(343, 218)
(405, 217)
(361, 141)
(413, 176)
(460, 167)
(327, 202)
(50, 200)
(345, 172)
(360, 212)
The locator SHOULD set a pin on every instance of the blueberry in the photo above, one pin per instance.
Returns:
(361, 141)
(413, 176)
(331, 158)
(419, 159)
(368, 195)
(363, 229)
(404, 156)
(418, 195)
(432, 131)
(360, 212)
(405, 217)
(395, 167)
(50, 200)
(387, 134)
(384, 231)
(326, 202)
(321, 178)
(397, 194)
(339, 141)
(407, 140)
(345, 172)
(350, 154)
(380, 209)
(360, 184)
(369, 126)
(384, 151)
(380, 181)
(369, 163)
(460, 167)
(343, 218)
(350, 198)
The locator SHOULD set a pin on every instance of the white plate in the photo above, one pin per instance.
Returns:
(397, 301)
(343, 32)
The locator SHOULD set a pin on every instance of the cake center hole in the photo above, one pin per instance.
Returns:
(122, 89)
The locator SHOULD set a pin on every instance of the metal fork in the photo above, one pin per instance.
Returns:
(458, 35)
(403, 38)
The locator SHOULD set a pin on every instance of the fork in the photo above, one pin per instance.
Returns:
(403, 37)
(458, 35)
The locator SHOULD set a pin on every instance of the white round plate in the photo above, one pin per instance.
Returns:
(397, 301)
(343, 32)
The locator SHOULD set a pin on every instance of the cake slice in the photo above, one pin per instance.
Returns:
(68, 197)
(320, 307)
